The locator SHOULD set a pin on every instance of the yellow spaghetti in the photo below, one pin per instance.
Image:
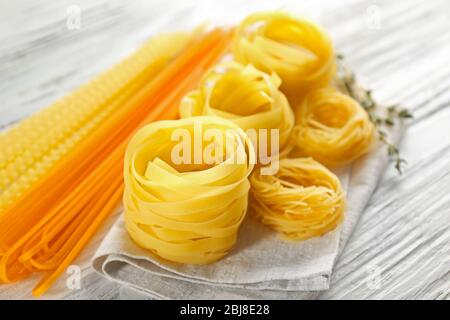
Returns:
(186, 205)
(332, 128)
(248, 97)
(303, 200)
(32, 147)
(297, 50)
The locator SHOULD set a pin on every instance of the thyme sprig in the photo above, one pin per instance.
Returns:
(346, 80)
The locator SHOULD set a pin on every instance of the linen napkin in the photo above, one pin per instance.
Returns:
(261, 266)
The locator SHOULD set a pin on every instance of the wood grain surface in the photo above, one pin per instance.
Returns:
(401, 49)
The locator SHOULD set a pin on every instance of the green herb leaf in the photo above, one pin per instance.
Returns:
(347, 81)
(405, 114)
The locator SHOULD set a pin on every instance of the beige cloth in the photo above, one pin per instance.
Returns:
(261, 266)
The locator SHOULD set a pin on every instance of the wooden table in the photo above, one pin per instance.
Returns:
(401, 246)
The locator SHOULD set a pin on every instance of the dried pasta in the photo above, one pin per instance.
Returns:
(332, 128)
(303, 200)
(297, 50)
(51, 222)
(187, 212)
(34, 145)
(248, 97)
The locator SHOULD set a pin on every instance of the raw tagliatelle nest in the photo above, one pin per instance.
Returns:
(245, 95)
(186, 213)
(303, 200)
(298, 51)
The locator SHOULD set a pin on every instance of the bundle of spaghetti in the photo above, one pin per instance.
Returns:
(295, 49)
(302, 200)
(186, 206)
(248, 97)
(54, 220)
(332, 128)
(31, 148)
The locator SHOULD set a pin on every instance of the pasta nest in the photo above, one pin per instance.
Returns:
(332, 128)
(297, 50)
(303, 200)
(248, 97)
(187, 212)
